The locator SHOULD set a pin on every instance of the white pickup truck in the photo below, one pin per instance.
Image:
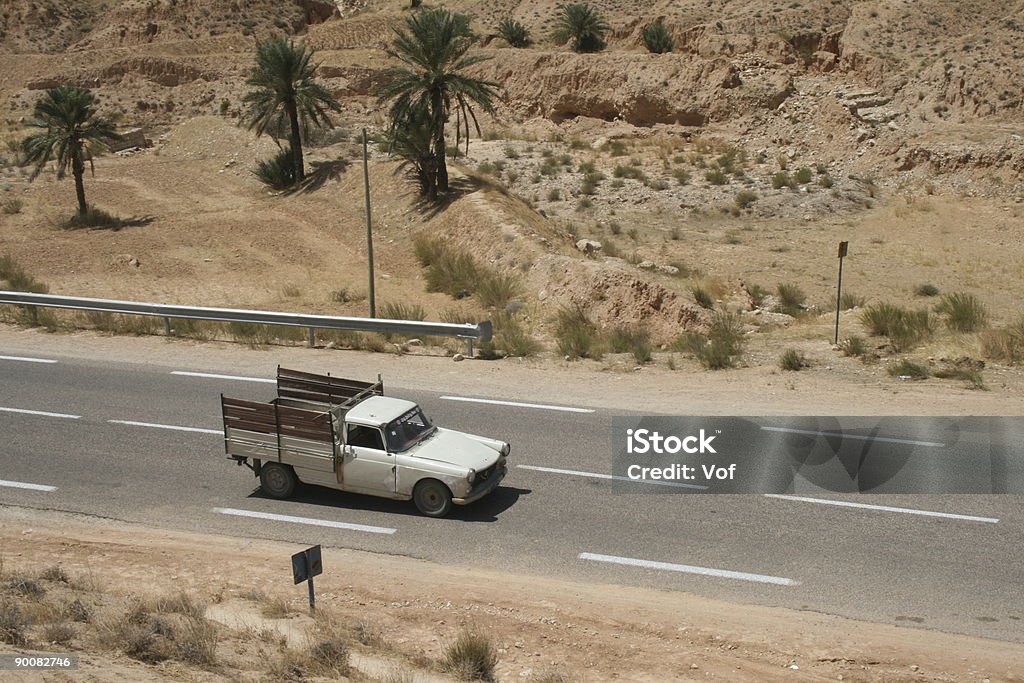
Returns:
(346, 435)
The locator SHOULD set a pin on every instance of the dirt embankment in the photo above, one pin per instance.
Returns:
(398, 615)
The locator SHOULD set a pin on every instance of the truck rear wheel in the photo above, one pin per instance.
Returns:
(277, 480)
(432, 498)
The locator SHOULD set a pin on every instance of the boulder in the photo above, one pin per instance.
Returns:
(588, 247)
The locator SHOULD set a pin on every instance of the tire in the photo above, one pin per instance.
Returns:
(277, 480)
(432, 498)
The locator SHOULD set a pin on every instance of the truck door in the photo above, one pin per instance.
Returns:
(366, 466)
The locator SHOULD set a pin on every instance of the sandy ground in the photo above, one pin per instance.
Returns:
(588, 631)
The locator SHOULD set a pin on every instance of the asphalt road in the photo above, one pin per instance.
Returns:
(950, 562)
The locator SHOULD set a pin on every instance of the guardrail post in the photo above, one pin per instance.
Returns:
(167, 327)
(469, 348)
(312, 337)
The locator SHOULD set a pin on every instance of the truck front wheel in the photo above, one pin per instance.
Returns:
(432, 498)
(277, 480)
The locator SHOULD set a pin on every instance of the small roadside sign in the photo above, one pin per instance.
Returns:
(306, 565)
(843, 248)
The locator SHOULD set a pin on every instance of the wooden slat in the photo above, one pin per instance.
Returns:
(321, 388)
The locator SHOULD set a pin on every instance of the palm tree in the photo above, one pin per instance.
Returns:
(583, 25)
(72, 132)
(286, 96)
(413, 143)
(432, 82)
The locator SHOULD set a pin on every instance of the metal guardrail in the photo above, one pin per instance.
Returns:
(469, 332)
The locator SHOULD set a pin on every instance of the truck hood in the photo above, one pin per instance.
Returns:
(455, 448)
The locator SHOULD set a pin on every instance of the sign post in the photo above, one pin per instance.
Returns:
(306, 565)
(839, 288)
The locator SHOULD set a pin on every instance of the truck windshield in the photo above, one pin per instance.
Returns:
(403, 433)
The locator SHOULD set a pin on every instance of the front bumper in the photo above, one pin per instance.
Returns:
(484, 487)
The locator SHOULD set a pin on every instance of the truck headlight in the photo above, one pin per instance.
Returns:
(471, 476)
(506, 449)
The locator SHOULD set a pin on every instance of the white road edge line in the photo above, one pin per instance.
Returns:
(28, 360)
(885, 508)
(858, 437)
(23, 411)
(209, 375)
(23, 485)
(598, 475)
(517, 404)
(690, 569)
(305, 520)
(160, 426)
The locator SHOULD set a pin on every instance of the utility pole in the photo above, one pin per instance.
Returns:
(369, 228)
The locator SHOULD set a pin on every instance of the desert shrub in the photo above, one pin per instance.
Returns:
(495, 290)
(881, 318)
(781, 180)
(12, 206)
(964, 312)
(554, 194)
(826, 181)
(849, 300)
(853, 346)
(58, 633)
(55, 573)
(589, 185)
(793, 360)
(471, 657)
(908, 368)
(926, 290)
(25, 586)
(167, 628)
(582, 26)
(459, 315)
(513, 32)
(970, 375)
(791, 298)
(329, 655)
(744, 198)
(448, 270)
(631, 339)
(656, 38)
(13, 624)
(1005, 344)
(657, 184)
(757, 294)
(702, 297)
(512, 337)
(716, 177)
(632, 172)
(255, 335)
(576, 334)
(721, 347)
(681, 175)
(277, 172)
(804, 175)
(402, 311)
(344, 295)
(76, 610)
(615, 148)
(913, 328)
